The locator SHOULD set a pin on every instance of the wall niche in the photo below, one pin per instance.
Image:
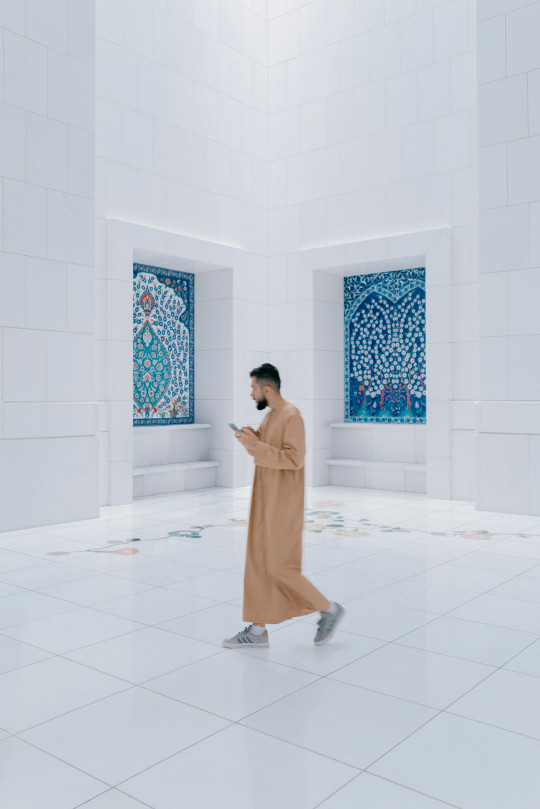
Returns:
(385, 347)
(163, 350)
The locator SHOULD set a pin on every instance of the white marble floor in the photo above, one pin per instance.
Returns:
(115, 692)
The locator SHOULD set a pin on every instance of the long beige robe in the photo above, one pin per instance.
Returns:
(274, 588)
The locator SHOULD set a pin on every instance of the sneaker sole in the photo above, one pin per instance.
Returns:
(245, 645)
(327, 638)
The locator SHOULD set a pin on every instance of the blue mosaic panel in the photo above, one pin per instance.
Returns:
(163, 355)
(385, 347)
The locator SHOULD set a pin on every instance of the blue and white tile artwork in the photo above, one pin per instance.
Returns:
(385, 347)
(163, 356)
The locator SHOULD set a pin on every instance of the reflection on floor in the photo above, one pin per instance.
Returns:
(115, 692)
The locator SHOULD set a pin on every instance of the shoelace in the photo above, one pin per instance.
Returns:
(326, 617)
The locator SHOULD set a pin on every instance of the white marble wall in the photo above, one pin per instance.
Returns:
(272, 130)
(372, 133)
(509, 135)
(181, 146)
(48, 426)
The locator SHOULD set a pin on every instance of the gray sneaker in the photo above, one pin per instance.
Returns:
(327, 625)
(246, 638)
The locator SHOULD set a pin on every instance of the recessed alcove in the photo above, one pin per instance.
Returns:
(413, 457)
(158, 458)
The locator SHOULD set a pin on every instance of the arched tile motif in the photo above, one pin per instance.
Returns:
(385, 347)
(163, 351)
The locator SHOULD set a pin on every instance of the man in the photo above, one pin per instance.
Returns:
(274, 588)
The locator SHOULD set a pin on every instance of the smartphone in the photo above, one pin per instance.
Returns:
(234, 427)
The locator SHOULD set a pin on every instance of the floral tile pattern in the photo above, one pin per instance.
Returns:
(163, 351)
(385, 347)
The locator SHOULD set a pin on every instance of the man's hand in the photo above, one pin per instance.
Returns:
(247, 438)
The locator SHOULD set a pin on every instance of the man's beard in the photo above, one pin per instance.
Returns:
(262, 405)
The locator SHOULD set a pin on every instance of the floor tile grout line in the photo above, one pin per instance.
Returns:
(502, 667)
(64, 654)
(202, 609)
(77, 648)
(131, 687)
(464, 604)
(323, 544)
(143, 685)
(211, 603)
(465, 659)
(240, 723)
(411, 701)
(439, 615)
(140, 684)
(61, 760)
(242, 718)
(491, 725)
(318, 678)
(390, 781)
(445, 711)
(167, 758)
(39, 618)
(446, 615)
(116, 786)
(343, 786)
(94, 608)
(111, 790)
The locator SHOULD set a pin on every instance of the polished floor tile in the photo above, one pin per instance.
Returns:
(114, 799)
(293, 646)
(160, 575)
(506, 699)
(528, 661)
(10, 562)
(514, 546)
(496, 563)
(9, 590)
(119, 693)
(511, 613)
(248, 770)
(468, 764)
(243, 684)
(342, 721)
(374, 792)
(477, 581)
(525, 588)
(424, 677)
(143, 655)
(44, 575)
(352, 583)
(417, 595)
(71, 630)
(381, 621)
(154, 606)
(391, 564)
(42, 691)
(96, 589)
(210, 625)
(14, 654)
(28, 606)
(481, 643)
(30, 778)
(117, 737)
(219, 586)
(219, 558)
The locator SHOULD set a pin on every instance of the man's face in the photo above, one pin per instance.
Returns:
(257, 394)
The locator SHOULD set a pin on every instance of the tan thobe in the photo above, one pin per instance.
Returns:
(274, 588)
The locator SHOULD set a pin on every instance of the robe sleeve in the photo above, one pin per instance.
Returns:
(258, 434)
(291, 454)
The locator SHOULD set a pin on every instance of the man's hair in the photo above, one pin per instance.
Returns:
(267, 374)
